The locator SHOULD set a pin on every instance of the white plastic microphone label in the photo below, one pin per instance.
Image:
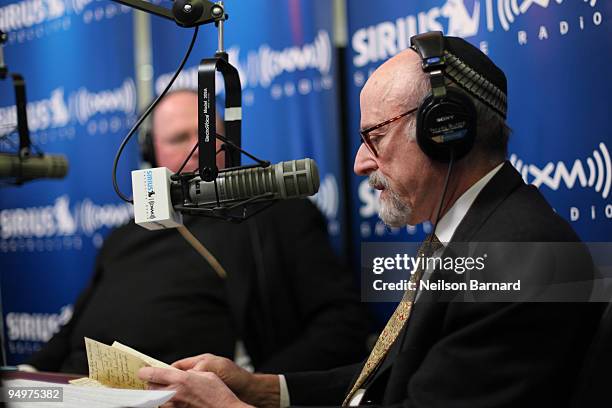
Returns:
(152, 200)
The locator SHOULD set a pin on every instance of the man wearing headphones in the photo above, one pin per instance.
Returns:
(434, 142)
(285, 302)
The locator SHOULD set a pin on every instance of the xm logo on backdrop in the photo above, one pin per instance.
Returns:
(593, 173)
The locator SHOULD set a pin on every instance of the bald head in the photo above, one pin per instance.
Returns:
(396, 86)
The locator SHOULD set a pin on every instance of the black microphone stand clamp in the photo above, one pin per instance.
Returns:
(207, 109)
(20, 103)
(186, 13)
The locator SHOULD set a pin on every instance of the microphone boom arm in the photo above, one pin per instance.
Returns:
(186, 13)
(148, 8)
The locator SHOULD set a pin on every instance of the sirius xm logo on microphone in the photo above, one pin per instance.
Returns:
(148, 178)
(465, 18)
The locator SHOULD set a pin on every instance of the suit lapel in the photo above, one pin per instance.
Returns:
(492, 195)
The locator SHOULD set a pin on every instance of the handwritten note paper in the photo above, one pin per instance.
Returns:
(113, 367)
(149, 360)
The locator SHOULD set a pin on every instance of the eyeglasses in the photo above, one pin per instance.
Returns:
(365, 133)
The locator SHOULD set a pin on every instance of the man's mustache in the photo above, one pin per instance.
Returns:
(377, 180)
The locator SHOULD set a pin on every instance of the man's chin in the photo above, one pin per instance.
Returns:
(393, 223)
(395, 217)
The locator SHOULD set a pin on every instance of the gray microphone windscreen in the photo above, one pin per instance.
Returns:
(289, 179)
(33, 167)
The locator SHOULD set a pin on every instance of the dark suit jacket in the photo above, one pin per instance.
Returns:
(286, 295)
(483, 354)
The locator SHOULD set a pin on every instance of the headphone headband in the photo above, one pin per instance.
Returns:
(434, 57)
(430, 47)
(476, 84)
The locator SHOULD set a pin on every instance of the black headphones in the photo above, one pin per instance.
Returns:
(147, 149)
(446, 119)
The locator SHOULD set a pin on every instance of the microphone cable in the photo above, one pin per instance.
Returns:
(203, 251)
(432, 235)
(127, 138)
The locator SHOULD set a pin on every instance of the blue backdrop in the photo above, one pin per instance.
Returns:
(77, 59)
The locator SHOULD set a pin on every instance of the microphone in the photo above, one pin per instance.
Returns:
(290, 179)
(158, 200)
(32, 167)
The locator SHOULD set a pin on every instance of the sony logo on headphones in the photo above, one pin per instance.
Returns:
(444, 118)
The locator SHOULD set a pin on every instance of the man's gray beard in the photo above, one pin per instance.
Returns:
(392, 210)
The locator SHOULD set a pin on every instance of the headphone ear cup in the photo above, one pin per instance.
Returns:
(147, 149)
(445, 125)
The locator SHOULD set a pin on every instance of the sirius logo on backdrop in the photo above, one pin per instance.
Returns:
(25, 14)
(27, 331)
(42, 114)
(55, 117)
(38, 327)
(29, 20)
(466, 19)
(58, 226)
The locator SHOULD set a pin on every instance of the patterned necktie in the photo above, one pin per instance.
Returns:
(396, 322)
